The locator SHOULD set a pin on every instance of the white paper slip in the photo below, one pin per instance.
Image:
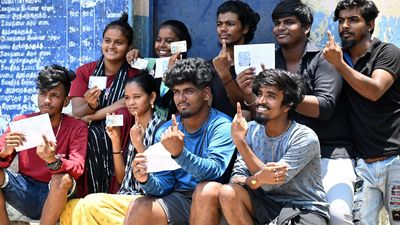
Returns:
(178, 46)
(159, 159)
(252, 55)
(161, 66)
(33, 128)
(114, 120)
(140, 64)
(99, 81)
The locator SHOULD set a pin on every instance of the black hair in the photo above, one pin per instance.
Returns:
(145, 81)
(294, 8)
(368, 9)
(247, 16)
(179, 29)
(51, 76)
(194, 70)
(123, 25)
(291, 85)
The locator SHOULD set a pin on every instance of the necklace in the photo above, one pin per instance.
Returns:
(59, 126)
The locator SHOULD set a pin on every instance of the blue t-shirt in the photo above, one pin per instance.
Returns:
(205, 156)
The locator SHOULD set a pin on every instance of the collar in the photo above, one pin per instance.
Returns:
(374, 44)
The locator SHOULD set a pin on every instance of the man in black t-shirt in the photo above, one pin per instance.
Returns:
(236, 24)
(371, 69)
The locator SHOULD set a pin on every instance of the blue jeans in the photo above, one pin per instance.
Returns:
(378, 185)
(25, 194)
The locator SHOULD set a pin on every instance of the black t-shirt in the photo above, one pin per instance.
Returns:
(376, 125)
(325, 83)
(221, 100)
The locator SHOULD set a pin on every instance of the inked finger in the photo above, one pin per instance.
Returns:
(173, 119)
(330, 38)
(223, 51)
(239, 110)
(136, 118)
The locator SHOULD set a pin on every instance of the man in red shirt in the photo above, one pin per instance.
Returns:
(47, 173)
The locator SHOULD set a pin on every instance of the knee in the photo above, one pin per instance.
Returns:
(206, 193)
(92, 201)
(226, 195)
(141, 206)
(340, 213)
(61, 183)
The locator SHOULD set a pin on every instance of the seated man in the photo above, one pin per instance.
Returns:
(278, 172)
(199, 140)
(29, 190)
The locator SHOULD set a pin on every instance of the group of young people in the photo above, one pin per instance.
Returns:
(322, 145)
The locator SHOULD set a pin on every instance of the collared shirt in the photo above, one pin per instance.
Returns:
(325, 83)
(376, 124)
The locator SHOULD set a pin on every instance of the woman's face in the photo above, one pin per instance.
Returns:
(137, 100)
(115, 45)
(162, 45)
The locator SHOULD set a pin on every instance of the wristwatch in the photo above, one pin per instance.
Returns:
(56, 165)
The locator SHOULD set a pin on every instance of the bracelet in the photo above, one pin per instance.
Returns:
(90, 107)
(116, 153)
(228, 81)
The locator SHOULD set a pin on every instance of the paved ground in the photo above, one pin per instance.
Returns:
(14, 166)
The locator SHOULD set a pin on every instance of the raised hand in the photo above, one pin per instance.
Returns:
(137, 134)
(222, 64)
(245, 81)
(132, 55)
(172, 139)
(139, 168)
(47, 150)
(114, 133)
(91, 96)
(239, 126)
(172, 60)
(13, 140)
(332, 52)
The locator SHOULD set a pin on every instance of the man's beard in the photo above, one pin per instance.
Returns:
(186, 114)
(260, 119)
(348, 45)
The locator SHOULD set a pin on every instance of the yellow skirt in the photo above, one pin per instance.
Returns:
(100, 209)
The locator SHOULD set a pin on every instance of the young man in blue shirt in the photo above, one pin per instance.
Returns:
(198, 139)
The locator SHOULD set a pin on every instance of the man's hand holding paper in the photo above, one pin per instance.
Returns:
(32, 129)
(253, 55)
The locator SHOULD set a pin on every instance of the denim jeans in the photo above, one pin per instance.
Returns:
(378, 185)
(25, 194)
(338, 178)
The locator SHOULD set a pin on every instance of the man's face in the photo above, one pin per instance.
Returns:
(289, 31)
(190, 100)
(230, 28)
(52, 101)
(352, 27)
(269, 104)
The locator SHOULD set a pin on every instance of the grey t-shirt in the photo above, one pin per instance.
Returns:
(299, 148)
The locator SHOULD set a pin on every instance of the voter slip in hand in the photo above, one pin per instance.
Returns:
(159, 159)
